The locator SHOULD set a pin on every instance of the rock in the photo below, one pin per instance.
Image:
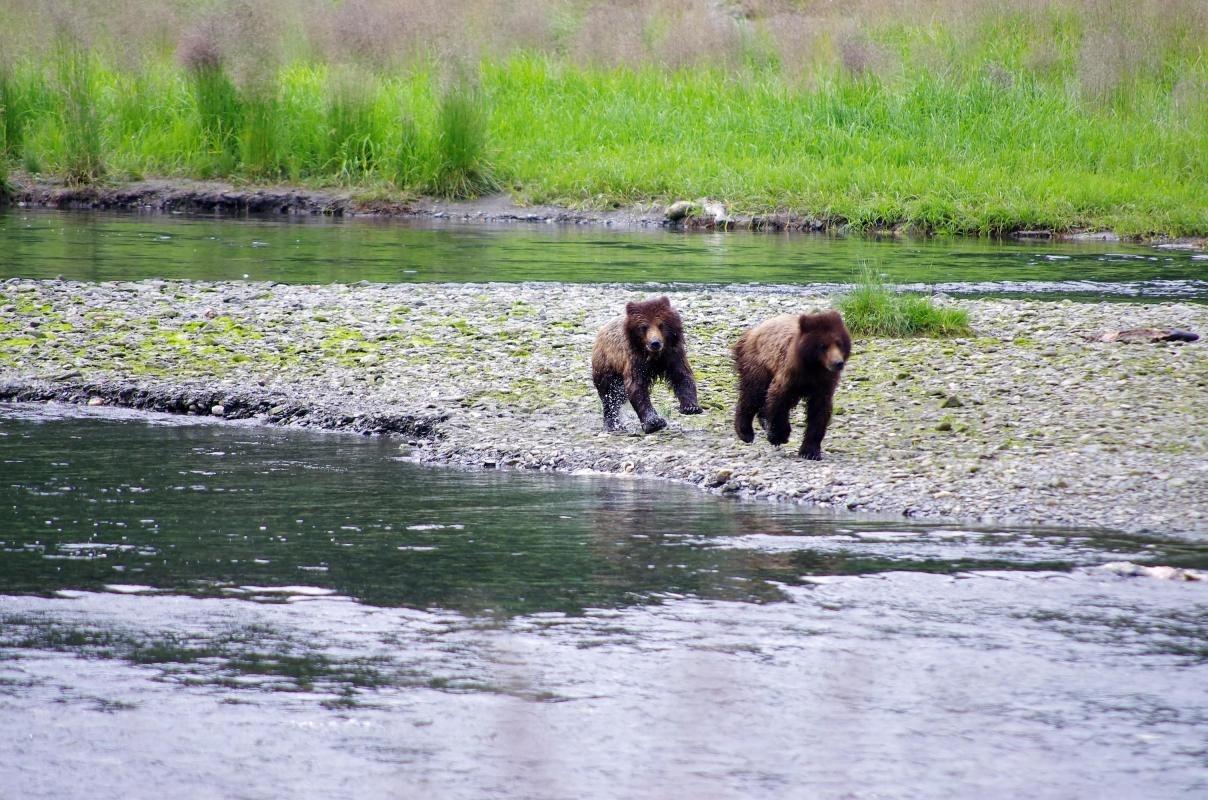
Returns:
(1143, 335)
(680, 210)
(715, 211)
(945, 425)
(953, 402)
(1092, 236)
(95, 401)
(1131, 570)
(218, 410)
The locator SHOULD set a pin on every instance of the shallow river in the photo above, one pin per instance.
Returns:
(97, 246)
(193, 609)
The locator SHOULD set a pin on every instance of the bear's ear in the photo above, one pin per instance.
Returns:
(806, 323)
(664, 301)
(631, 308)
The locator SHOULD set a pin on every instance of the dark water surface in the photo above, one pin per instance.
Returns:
(199, 609)
(106, 246)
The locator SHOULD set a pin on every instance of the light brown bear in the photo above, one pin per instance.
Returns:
(782, 361)
(633, 351)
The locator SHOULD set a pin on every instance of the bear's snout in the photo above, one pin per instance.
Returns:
(655, 345)
(835, 358)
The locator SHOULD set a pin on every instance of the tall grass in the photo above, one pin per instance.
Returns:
(960, 118)
(14, 113)
(219, 115)
(80, 125)
(410, 158)
(874, 309)
(352, 149)
(462, 165)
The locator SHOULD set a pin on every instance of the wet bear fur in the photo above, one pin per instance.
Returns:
(635, 350)
(781, 362)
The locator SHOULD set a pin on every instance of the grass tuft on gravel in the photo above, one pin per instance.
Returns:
(874, 309)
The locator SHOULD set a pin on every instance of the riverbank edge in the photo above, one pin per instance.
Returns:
(192, 399)
(420, 431)
(275, 409)
(187, 196)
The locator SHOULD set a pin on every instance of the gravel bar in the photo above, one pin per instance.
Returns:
(1024, 422)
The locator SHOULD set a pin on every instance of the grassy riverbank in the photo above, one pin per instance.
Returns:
(1064, 115)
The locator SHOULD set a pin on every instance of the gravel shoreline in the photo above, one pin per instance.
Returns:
(1025, 422)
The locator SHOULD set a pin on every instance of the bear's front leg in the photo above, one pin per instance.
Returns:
(742, 422)
(818, 414)
(612, 396)
(778, 426)
(683, 383)
(639, 398)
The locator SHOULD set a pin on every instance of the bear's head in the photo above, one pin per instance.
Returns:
(823, 341)
(653, 326)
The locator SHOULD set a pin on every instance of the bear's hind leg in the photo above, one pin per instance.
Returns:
(751, 394)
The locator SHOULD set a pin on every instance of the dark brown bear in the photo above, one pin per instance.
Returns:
(782, 361)
(633, 351)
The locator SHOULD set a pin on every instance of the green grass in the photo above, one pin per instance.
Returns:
(1008, 125)
(462, 164)
(873, 309)
(78, 123)
(219, 117)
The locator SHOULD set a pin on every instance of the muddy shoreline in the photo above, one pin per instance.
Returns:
(168, 196)
(1024, 422)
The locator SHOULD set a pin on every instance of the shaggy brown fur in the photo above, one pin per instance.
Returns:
(633, 351)
(782, 361)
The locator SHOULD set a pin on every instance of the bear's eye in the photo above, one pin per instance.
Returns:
(643, 328)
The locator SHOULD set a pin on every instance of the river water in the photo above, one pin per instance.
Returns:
(200, 609)
(213, 610)
(100, 246)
